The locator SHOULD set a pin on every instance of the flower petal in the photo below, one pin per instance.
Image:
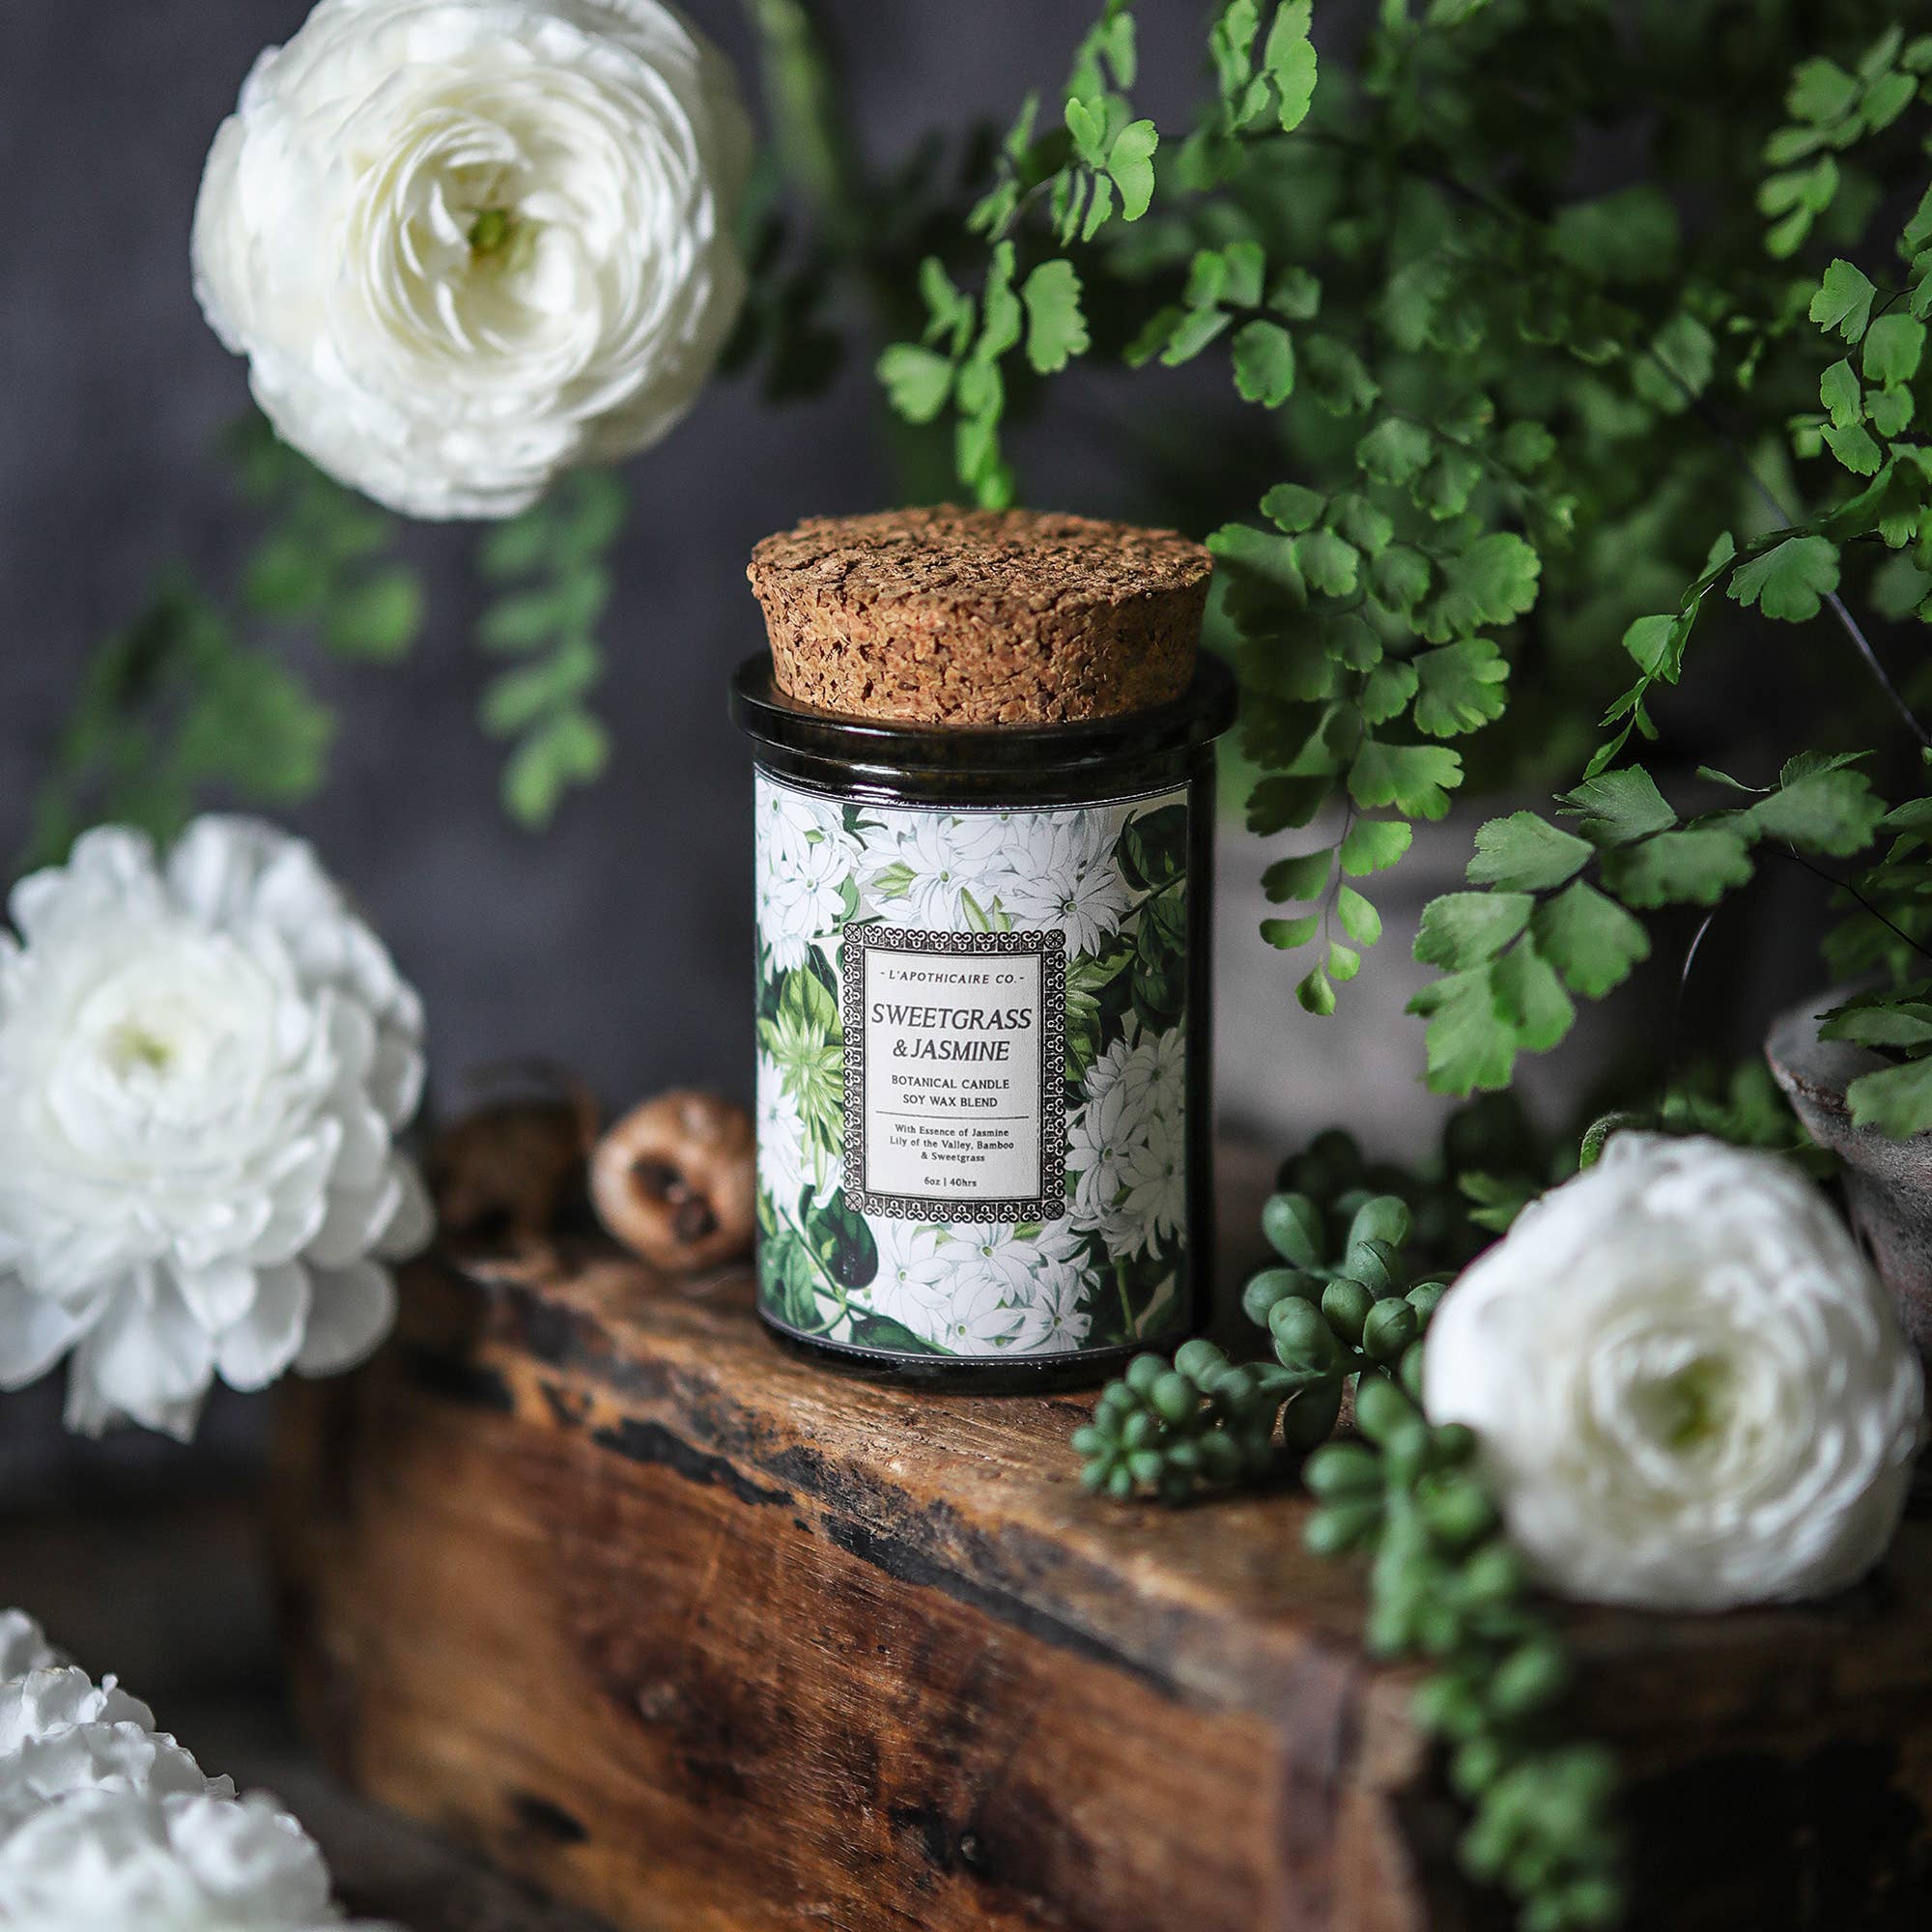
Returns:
(258, 1347)
(352, 1310)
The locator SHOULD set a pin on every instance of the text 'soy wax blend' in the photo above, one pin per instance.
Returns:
(986, 756)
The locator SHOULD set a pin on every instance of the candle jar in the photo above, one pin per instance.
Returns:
(983, 1088)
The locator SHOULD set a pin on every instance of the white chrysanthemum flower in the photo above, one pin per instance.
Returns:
(23, 1645)
(59, 1732)
(1689, 1387)
(203, 1066)
(115, 1861)
(466, 243)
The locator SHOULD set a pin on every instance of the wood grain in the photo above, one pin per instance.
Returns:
(585, 1573)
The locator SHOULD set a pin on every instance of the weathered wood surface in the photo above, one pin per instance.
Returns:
(585, 1573)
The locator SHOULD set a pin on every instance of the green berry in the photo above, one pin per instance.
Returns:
(1199, 1360)
(1530, 1678)
(1377, 1266)
(1273, 1285)
(1424, 1298)
(1346, 1304)
(1089, 1442)
(1142, 1371)
(1411, 1371)
(1385, 1217)
(1388, 1330)
(1381, 1408)
(1140, 1430)
(1459, 1511)
(1339, 1526)
(1343, 1469)
(1292, 1225)
(1175, 1398)
(1310, 1418)
(1303, 1339)
(1494, 1575)
(1146, 1467)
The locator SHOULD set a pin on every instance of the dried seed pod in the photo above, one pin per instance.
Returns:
(673, 1182)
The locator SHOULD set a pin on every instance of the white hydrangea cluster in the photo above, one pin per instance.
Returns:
(107, 1824)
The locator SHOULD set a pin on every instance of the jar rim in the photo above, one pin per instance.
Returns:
(1201, 714)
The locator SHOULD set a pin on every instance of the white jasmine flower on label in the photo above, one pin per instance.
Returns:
(1054, 1321)
(1101, 1137)
(914, 1283)
(1002, 1254)
(1155, 1174)
(1159, 1073)
(1689, 1389)
(1070, 881)
(118, 1861)
(466, 243)
(950, 859)
(979, 1319)
(807, 892)
(202, 1068)
(781, 1136)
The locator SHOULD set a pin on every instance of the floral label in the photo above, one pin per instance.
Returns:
(972, 1073)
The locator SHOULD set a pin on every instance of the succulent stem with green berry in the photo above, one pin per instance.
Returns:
(1175, 1431)
(1446, 1583)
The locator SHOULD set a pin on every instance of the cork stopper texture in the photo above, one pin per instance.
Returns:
(980, 617)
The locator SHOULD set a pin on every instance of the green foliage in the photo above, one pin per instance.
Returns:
(1446, 1584)
(549, 567)
(197, 700)
(1504, 424)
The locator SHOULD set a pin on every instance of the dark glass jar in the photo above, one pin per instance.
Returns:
(984, 1084)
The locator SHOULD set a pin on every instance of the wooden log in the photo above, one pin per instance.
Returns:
(585, 1575)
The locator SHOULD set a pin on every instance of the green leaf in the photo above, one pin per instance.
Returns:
(1295, 294)
(1531, 999)
(1618, 807)
(1360, 920)
(1906, 1027)
(1374, 844)
(1840, 393)
(1264, 360)
(1330, 564)
(1304, 877)
(1843, 301)
(571, 749)
(1788, 581)
(1289, 933)
(1470, 1047)
(1289, 59)
(1524, 853)
(1399, 578)
(1855, 448)
(1315, 995)
(1897, 1101)
(1461, 929)
(918, 381)
(1294, 508)
(1679, 366)
(1820, 91)
(1338, 379)
(1197, 328)
(1056, 329)
(1131, 163)
(1459, 687)
(1694, 867)
(517, 548)
(1893, 348)
(1829, 812)
(517, 698)
(379, 618)
(1415, 779)
(1591, 940)
(1395, 451)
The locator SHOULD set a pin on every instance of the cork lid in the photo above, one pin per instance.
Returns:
(979, 617)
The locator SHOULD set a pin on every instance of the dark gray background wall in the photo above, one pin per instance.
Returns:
(614, 943)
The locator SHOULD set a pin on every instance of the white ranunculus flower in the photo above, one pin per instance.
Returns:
(1689, 1389)
(202, 1068)
(466, 243)
(113, 1860)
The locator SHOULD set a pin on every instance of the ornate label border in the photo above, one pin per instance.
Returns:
(1050, 945)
